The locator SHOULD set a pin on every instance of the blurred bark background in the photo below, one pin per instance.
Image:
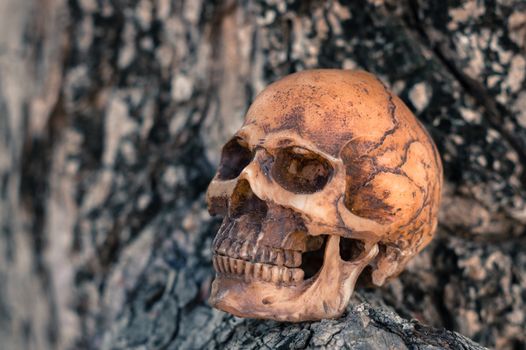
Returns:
(112, 115)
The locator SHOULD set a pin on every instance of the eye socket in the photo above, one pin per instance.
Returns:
(234, 158)
(301, 171)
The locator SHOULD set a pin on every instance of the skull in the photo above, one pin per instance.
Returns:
(330, 178)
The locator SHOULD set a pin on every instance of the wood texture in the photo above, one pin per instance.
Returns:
(111, 117)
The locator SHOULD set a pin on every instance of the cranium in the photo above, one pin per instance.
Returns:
(330, 178)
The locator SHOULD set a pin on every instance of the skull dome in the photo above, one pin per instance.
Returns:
(330, 178)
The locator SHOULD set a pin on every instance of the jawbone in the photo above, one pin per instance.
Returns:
(323, 296)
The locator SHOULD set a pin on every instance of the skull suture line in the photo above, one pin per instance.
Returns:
(330, 177)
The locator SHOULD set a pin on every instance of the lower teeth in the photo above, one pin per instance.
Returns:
(257, 271)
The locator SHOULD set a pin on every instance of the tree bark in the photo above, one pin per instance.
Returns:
(112, 115)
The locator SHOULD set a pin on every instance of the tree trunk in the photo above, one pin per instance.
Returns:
(112, 115)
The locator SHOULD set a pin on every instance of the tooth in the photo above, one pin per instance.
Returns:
(297, 258)
(266, 273)
(280, 259)
(259, 254)
(224, 246)
(220, 264)
(231, 252)
(271, 255)
(262, 254)
(297, 275)
(220, 267)
(232, 263)
(276, 274)
(226, 266)
(237, 247)
(214, 262)
(249, 268)
(253, 252)
(289, 258)
(292, 258)
(217, 266)
(287, 274)
(240, 267)
(243, 251)
(257, 270)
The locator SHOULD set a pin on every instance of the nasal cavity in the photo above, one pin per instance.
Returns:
(245, 202)
(235, 157)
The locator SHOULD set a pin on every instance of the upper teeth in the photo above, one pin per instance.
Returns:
(247, 251)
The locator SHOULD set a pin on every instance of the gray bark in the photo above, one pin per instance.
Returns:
(112, 115)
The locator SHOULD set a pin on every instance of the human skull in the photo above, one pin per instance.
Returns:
(329, 178)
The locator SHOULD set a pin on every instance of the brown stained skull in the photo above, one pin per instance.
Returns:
(330, 177)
